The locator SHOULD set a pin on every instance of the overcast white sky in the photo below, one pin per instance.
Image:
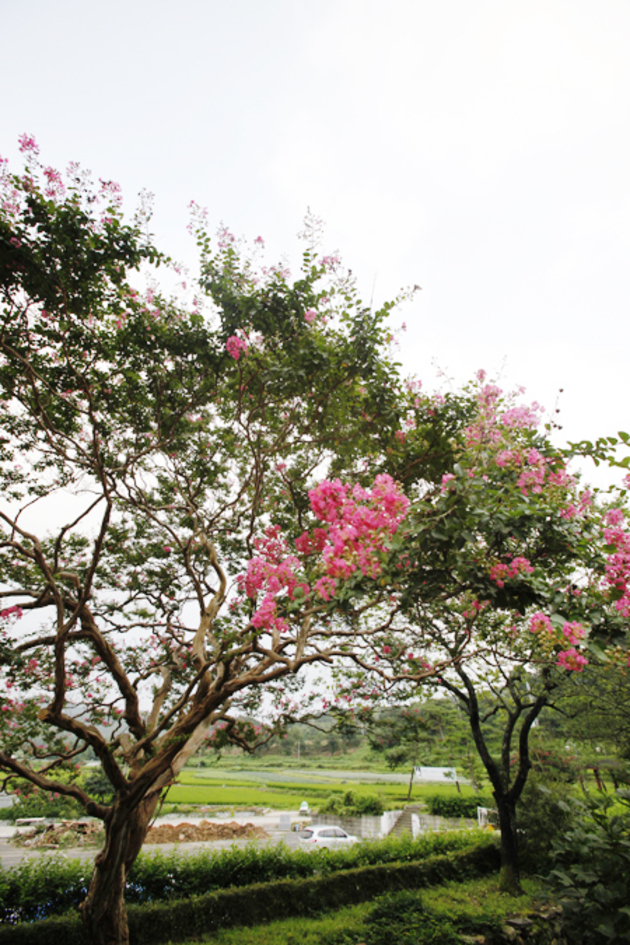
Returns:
(479, 148)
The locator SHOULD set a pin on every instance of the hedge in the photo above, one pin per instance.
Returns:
(38, 889)
(182, 919)
(458, 806)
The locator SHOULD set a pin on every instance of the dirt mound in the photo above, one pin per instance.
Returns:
(73, 833)
(189, 833)
(69, 833)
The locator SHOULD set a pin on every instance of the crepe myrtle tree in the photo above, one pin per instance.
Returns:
(506, 578)
(158, 548)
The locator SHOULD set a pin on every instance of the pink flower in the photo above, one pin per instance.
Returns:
(614, 517)
(446, 478)
(572, 660)
(310, 315)
(500, 573)
(574, 632)
(386, 650)
(28, 143)
(539, 622)
(236, 346)
(326, 587)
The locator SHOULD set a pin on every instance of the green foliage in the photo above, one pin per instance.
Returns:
(591, 875)
(475, 907)
(543, 816)
(401, 917)
(30, 802)
(352, 805)
(37, 888)
(456, 806)
(181, 919)
(50, 886)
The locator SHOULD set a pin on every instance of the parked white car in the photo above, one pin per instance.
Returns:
(323, 835)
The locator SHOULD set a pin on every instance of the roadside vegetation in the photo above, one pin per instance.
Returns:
(437, 915)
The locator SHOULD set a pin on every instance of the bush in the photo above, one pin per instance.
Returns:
(42, 804)
(352, 805)
(591, 875)
(52, 885)
(182, 919)
(457, 806)
(401, 917)
(42, 887)
(542, 819)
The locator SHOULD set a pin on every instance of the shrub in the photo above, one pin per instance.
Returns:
(183, 919)
(352, 805)
(591, 875)
(457, 806)
(542, 819)
(401, 917)
(42, 887)
(52, 885)
(42, 804)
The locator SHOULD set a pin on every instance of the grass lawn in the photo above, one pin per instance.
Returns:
(457, 905)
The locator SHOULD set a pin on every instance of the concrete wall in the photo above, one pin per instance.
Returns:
(432, 822)
(364, 827)
(367, 826)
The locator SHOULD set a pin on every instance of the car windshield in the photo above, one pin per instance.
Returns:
(306, 834)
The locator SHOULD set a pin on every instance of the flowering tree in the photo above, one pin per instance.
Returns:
(506, 579)
(155, 461)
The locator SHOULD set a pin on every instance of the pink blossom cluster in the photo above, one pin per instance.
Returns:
(28, 144)
(500, 573)
(572, 632)
(536, 472)
(236, 346)
(572, 511)
(492, 421)
(617, 569)
(447, 479)
(56, 188)
(572, 660)
(359, 523)
(13, 611)
(522, 416)
(533, 475)
(225, 237)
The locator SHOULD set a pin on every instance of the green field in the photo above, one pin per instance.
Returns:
(220, 787)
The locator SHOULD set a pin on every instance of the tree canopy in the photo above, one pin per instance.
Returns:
(156, 460)
(204, 493)
(507, 579)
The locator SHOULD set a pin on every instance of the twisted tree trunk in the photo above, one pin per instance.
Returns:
(103, 911)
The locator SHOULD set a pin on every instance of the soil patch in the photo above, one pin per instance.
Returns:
(72, 833)
(189, 833)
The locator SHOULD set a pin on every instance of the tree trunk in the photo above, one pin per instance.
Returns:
(509, 877)
(103, 910)
(413, 771)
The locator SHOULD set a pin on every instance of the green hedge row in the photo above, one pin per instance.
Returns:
(37, 889)
(458, 806)
(182, 919)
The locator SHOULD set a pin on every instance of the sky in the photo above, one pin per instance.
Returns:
(480, 150)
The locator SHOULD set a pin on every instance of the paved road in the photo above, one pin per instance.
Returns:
(319, 775)
(11, 855)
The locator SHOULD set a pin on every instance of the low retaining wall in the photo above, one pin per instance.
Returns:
(370, 828)
(433, 822)
(366, 826)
